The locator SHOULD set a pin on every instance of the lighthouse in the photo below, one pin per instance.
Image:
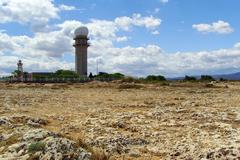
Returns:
(20, 70)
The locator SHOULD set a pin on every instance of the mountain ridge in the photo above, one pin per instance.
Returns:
(230, 76)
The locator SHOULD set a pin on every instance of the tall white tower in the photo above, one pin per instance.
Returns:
(81, 45)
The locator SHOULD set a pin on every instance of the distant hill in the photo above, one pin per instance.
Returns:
(232, 76)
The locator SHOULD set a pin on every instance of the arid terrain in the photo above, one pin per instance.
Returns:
(120, 121)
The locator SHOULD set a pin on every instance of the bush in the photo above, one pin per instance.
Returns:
(207, 78)
(190, 78)
(66, 74)
(106, 75)
(222, 79)
(58, 74)
(118, 75)
(130, 80)
(164, 83)
(155, 78)
(37, 146)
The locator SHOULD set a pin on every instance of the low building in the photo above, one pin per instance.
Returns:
(41, 74)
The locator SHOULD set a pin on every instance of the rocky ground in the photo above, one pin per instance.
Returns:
(120, 121)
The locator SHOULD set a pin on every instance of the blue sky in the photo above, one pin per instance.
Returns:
(168, 37)
(177, 16)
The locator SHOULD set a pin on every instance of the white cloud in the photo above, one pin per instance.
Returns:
(57, 42)
(39, 13)
(237, 45)
(155, 32)
(149, 22)
(139, 61)
(151, 59)
(164, 1)
(52, 44)
(102, 28)
(66, 8)
(26, 11)
(43, 51)
(220, 27)
(122, 39)
(9, 63)
(109, 29)
(36, 13)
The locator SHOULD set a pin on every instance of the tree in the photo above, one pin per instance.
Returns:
(155, 78)
(65, 74)
(118, 75)
(107, 75)
(222, 79)
(91, 75)
(16, 73)
(207, 78)
(190, 78)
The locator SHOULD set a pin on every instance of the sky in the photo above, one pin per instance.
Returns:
(135, 37)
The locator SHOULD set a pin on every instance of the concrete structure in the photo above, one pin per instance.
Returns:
(81, 45)
(40, 75)
(20, 70)
(20, 66)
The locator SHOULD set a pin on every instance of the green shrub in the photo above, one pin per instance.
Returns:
(118, 75)
(155, 78)
(222, 79)
(36, 146)
(106, 75)
(207, 78)
(58, 74)
(65, 74)
(190, 78)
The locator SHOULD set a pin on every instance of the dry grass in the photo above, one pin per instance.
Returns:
(97, 153)
(130, 86)
(165, 116)
(60, 86)
(11, 140)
